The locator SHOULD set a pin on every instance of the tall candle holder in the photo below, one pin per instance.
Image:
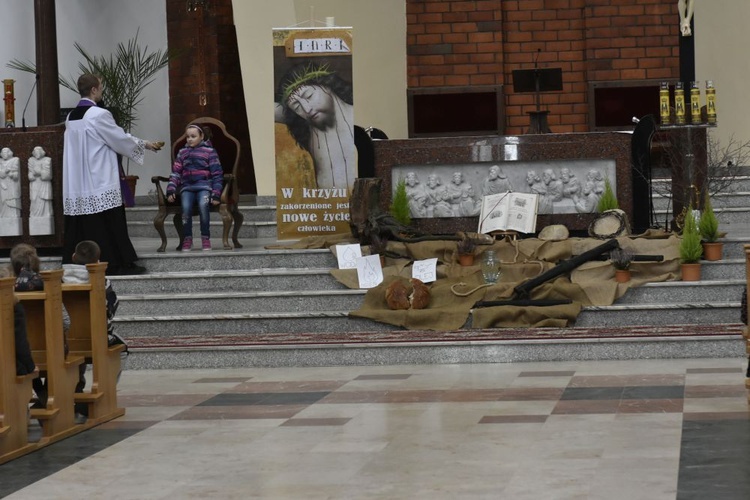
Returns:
(10, 113)
(710, 102)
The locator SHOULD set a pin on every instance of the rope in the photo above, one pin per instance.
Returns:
(466, 294)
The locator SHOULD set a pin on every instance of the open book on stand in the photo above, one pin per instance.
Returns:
(508, 212)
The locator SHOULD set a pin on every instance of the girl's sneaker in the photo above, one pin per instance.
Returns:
(187, 244)
(206, 242)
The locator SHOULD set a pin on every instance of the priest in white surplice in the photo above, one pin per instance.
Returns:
(92, 200)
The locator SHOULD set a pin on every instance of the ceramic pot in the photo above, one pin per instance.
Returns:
(691, 272)
(713, 251)
(466, 259)
(622, 275)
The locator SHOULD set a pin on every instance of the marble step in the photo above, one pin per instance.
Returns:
(239, 302)
(694, 313)
(728, 217)
(197, 260)
(249, 229)
(684, 292)
(160, 326)
(222, 303)
(223, 280)
(251, 213)
(302, 279)
(416, 352)
(166, 326)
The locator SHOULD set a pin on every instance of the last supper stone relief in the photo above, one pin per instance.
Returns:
(563, 186)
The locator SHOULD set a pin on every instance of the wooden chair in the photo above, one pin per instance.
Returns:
(228, 149)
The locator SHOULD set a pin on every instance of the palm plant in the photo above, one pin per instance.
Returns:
(125, 74)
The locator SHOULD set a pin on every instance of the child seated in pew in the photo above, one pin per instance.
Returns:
(88, 252)
(25, 264)
(24, 362)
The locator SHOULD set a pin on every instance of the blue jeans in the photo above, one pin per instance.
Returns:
(188, 199)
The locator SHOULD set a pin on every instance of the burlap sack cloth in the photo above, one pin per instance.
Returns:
(451, 303)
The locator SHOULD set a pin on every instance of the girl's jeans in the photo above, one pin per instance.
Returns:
(188, 199)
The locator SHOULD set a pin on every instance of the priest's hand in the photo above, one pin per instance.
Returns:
(154, 145)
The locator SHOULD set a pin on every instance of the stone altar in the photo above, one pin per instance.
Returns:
(516, 156)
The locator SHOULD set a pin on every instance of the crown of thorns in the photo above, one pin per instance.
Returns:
(302, 76)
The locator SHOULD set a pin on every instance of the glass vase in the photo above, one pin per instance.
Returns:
(490, 267)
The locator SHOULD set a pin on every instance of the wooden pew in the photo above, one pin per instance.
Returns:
(15, 391)
(87, 305)
(45, 332)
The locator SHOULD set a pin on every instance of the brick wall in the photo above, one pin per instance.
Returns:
(480, 42)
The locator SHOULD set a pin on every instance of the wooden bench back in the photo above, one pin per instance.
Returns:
(15, 391)
(44, 327)
(87, 306)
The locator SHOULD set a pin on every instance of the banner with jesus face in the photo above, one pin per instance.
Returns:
(316, 161)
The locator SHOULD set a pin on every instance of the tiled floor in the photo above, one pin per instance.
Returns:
(653, 429)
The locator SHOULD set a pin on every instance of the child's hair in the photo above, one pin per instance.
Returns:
(205, 131)
(23, 256)
(87, 252)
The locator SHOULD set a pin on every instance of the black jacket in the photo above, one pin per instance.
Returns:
(24, 362)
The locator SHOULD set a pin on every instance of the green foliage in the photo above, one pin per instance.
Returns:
(125, 74)
(400, 204)
(608, 201)
(691, 249)
(708, 225)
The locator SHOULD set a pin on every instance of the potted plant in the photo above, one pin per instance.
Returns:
(465, 248)
(621, 259)
(400, 204)
(608, 200)
(691, 249)
(125, 74)
(708, 226)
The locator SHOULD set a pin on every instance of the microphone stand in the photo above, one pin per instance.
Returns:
(23, 114)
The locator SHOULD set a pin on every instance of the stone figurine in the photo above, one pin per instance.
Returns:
(496, 182)
(10, 194)
(10, 185)
(40, 183)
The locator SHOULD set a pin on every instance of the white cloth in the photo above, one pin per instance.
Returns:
(75, 273)
(91, 179)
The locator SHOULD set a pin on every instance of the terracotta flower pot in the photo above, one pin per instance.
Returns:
(691, 272)
(713, 251)
(466, 259)
(622, 275)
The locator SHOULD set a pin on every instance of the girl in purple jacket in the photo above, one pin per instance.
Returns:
(197, 176)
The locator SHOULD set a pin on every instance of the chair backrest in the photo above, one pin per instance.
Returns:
(226, 145)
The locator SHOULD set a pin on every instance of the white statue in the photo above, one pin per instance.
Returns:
(40, 183)
(10, 186)
(685, 9)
